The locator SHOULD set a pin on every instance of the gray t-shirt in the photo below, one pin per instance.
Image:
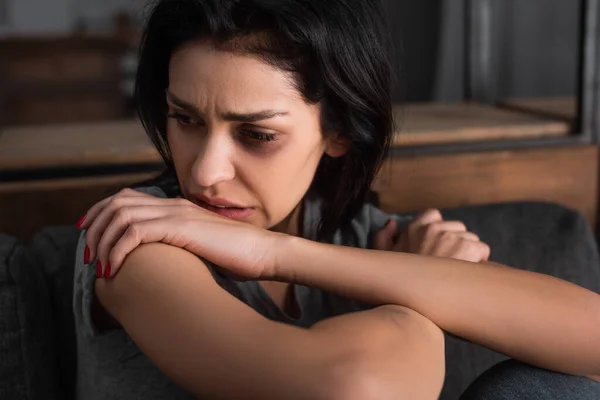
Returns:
(111, 366)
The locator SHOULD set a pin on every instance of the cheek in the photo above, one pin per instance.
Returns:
(290, 166)
(283, 180)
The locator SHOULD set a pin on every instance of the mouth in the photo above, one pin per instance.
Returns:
(224, 208)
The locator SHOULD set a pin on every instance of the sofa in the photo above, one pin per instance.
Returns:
(37, 339)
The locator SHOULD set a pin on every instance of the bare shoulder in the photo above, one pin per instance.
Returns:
(152, 270)
(152, 256)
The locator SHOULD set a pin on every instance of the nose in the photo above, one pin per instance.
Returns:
(213, 164)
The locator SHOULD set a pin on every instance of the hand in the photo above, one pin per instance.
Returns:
(430, 235)
(117, 225)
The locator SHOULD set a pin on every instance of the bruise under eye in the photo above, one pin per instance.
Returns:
(260, 142)
(259, 136)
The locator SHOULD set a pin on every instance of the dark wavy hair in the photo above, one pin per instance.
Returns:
(338, 52)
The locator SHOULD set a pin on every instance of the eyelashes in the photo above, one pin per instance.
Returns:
(259, 136)
(183, 119)
(251, 137)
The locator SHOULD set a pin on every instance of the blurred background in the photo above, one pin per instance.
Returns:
(90, 46)
(495, 101)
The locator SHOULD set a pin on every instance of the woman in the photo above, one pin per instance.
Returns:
(274, 116)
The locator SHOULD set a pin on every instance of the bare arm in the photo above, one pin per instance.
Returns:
(532, 317)
(214, 346)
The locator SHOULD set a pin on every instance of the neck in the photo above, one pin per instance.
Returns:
(292, 224)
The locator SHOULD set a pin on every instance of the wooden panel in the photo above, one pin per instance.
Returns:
(566, 175)
(468, 122)
(119, 141)
(107, 143)
(70, 66)
(66, 68)
(27, 207)
(560, 107)
(60, 109)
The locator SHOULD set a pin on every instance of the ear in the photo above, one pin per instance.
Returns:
(337, 146)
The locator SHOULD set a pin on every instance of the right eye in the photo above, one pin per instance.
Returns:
(183, 119)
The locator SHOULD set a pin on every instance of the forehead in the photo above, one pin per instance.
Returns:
(201, 73)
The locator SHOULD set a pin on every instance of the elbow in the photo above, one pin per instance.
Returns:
(350, 379)
(356, 384)
(406, 362)
(356, 380)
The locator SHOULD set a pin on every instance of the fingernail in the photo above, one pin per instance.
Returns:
(86, 255)
(99, 269)
(107, 270)
(80, 222)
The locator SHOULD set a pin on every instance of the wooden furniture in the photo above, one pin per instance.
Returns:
(560, 108)
(445, 155)
(438, 123)
(111, 148)
(61, 79)
(119, 142)
(75, 145)
(26, 207)
(566, 175)
(563, 175)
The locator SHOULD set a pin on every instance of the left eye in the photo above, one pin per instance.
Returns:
(183, 119)
(259, 136)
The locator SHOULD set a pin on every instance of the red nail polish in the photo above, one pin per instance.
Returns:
(86, 255)
(107, 270)
(98, 269)
(80, 222)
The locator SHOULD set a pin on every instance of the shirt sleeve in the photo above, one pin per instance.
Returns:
(83, 291)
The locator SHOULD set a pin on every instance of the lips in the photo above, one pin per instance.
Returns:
(224, 208)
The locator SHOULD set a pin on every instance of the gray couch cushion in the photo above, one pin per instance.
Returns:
(57, 245)
(539, 237)
(27, 348)
(37, 335)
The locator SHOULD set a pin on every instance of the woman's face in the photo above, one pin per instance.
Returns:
(244, 142)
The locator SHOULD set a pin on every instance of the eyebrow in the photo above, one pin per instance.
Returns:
(228, 116)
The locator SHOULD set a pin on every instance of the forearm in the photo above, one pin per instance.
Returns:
(535, 318)
(205, 340)
(396, 354)
(220, 348)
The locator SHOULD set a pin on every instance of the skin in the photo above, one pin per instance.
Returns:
(268, 164)
(402, 355)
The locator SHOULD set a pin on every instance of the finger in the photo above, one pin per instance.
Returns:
(384, 239)
(445, 226)
(119, 224)
(428, 217)
(416, 228)
(150, 231)
(468, 236)
(473, 251)
(101, 221)
(95, 210)
(485, 251)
